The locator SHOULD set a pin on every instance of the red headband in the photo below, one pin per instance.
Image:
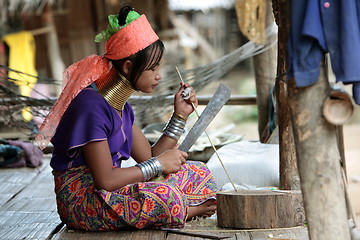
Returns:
(130, 39)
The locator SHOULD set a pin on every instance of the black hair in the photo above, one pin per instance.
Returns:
(145, 59)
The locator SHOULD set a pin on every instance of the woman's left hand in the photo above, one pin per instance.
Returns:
(185, 107)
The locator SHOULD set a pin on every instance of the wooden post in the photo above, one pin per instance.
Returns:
(56, 63)
(317, 155)
(265, 73)
(318, 162)
(289, 176)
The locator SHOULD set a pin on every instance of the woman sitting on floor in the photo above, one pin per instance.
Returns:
(92, 128)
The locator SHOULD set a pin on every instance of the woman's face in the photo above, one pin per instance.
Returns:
(149, 80)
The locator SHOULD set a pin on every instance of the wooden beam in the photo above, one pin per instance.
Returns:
(203, 100)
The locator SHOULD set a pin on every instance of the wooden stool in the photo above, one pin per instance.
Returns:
(260, 209)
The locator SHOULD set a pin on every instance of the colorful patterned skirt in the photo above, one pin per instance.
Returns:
(141, 205)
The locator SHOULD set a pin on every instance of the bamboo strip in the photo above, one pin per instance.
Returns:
(207, 135)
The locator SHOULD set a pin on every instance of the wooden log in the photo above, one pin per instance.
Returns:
(260, 209)
(318, 161)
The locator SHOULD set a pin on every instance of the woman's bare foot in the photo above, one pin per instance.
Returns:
(206, 209)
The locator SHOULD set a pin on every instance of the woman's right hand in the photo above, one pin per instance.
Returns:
(171, 160)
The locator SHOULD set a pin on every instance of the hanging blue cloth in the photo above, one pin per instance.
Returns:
(325, 26)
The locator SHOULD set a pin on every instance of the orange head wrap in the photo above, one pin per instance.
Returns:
(136, 36)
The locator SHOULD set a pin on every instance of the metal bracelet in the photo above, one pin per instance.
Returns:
(150, 168)
(143, 170)
(178, 121)
(175, 127)
(155, 166)
(172, 135)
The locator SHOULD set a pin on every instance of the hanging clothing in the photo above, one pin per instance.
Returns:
(22, 59)
(325, 26)
(88, 118)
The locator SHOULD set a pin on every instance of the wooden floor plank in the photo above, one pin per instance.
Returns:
(299, 233)
(5, 197)
(174, 236)
(29, 210)
(184, 234)
(14, 180)
(243, 236)
(26, 231)
(296, 233)
(66, 234)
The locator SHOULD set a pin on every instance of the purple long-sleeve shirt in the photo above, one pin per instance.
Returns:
(90, 118)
